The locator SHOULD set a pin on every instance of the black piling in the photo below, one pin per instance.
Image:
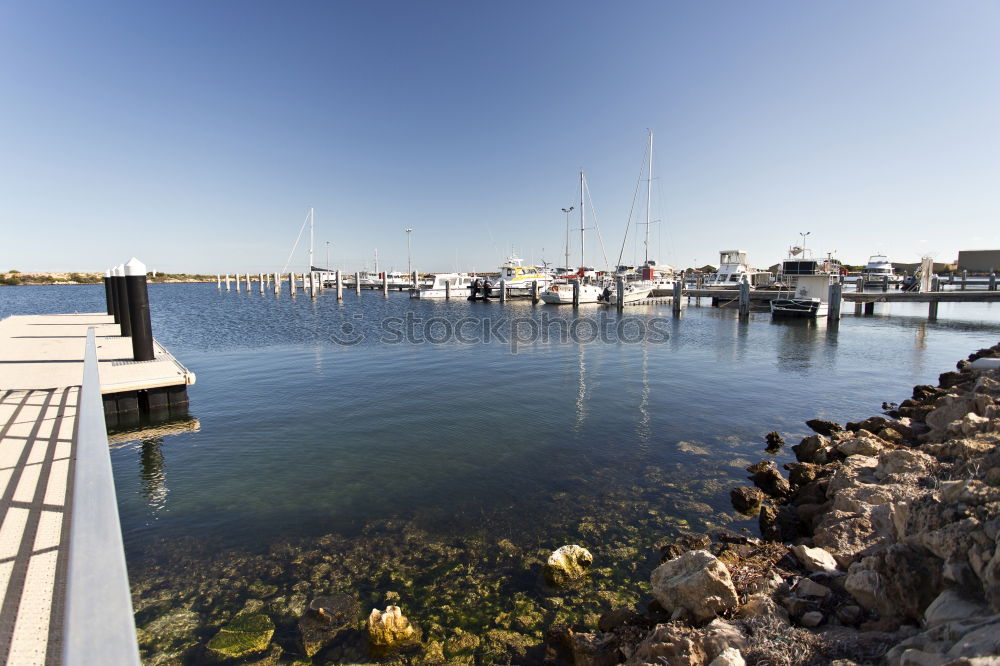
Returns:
(138, 309)
(121, 297)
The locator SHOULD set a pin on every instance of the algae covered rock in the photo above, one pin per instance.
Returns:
(696, 583)
(567, 565)
(245, 635)
(389, 630)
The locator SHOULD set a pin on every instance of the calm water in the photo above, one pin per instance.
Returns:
(301, 437)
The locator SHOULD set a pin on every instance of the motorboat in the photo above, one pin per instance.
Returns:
(808, 298)
(561, 293)
(733, 267)
(633, 292)
(880, 268)
(518, 279)
(445, 285)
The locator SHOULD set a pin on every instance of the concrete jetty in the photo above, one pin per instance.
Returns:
(64, 595)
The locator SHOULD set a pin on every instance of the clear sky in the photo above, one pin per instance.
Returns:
(195, 135)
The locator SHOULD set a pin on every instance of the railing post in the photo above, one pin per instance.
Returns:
(138, 309)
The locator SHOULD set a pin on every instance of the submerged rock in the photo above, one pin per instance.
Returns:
(746, 499)
(567, 564)
(390, 630)
(766, 477)
(696, 584)
(245, 635)
(824, 427)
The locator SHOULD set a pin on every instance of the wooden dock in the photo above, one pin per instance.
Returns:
(54, 460)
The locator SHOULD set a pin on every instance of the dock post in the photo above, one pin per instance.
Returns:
(859, 284)
(965, 278)
(678, 291)
(248, 283)
(277, 284)
(357, 283)
(228, 288)
(114, 294)
(261, 284)
(534, 292)
(218, 282)
(503, 290)
(620, 289)
(993, 281)
(385, 283)
(340, 287)
(834, 307)
(313, 284)
(414, 283)
(701, 281)
(885, 283)
(932, 311)
(293, 283)
(744, 300)
(138, 310)
(576, 293)
(238, 288)
(121, 296)
(447, 290)
(935, 283)
(870, 308)
(108, 297)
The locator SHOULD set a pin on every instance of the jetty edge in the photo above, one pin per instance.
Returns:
(880, 546)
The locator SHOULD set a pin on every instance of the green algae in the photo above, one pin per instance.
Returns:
(244, 635)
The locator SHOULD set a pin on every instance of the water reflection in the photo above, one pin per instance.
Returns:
(153, 473)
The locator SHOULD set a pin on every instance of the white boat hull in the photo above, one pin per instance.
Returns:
(798, 307)
(632, 295)
(562, 294)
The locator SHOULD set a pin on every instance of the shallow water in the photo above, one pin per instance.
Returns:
(596, 441)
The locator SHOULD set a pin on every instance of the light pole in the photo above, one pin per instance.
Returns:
(409, 266)
(803, 246)
(567, 211)
(328, 255)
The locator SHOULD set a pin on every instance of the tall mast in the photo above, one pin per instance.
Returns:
(376, 261)
(649, 187)
(583, 263)
(312, 236)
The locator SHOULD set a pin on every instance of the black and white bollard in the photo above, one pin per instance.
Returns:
(138, 309)
(108, 295)
(121, 297)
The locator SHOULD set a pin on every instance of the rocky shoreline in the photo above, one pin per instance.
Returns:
(881, 546)
(878, 546)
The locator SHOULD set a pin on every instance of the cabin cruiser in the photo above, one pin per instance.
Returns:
(805, 284)
(445, 285)
(633, 292)
(733, 267)
(880, 268)
(517, 279)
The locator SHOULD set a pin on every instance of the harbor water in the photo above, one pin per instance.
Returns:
(431, 453)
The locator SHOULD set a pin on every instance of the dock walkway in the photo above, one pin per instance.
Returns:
(54, 457)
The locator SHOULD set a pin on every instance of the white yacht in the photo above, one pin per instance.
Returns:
(879, 268)
(805, 284)
(455, 285)
(560, 292)
(733, 266)
(634, 292)
(517, 279)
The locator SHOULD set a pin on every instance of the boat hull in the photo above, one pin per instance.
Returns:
(798, 307)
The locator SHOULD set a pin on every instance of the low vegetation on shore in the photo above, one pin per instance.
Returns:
(14, 278)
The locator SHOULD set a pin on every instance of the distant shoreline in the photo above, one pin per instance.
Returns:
(16, 278)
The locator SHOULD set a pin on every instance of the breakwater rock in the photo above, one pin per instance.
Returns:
(882, 545)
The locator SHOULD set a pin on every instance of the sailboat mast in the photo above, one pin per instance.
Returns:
(649, 188)
(583, 263)
(312, 236)
(376, 261)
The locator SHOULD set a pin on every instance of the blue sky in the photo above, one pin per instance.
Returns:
(195, 135)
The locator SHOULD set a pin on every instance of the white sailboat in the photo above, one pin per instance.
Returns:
(560, 292)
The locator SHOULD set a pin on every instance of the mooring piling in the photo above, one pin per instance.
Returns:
(576, 293)
(620, 293)
(122, 298)
(107, 292)
(218, 282)
(340, 287)
(503, 290)
(385, 283)
(138, 310)
(965, 279)
(228, 288)
(261, 276)
(447, 290)
(534, 292)
(835, 295)
(357, 283)
(993, 282)
(678, 291)
(744, 304)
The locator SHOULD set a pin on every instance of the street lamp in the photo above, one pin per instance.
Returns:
(567, 211)
(803, 246)
(409, 267)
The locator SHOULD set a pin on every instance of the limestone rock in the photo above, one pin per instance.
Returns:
(567, 564)
(815, 559)
(824, 427)
(862, 444)
(813, 449)
(678, 644)
(903, 461)
(766, 477)
(245, 635)
(950, 605)
(811, 619)
(729, 657)
(594, 649)
(779, 523)
(899, 582)
(810, 588)
(696, 583)
(746, 499)
(389, 630)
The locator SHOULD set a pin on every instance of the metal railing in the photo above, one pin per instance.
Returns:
(99, 625)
